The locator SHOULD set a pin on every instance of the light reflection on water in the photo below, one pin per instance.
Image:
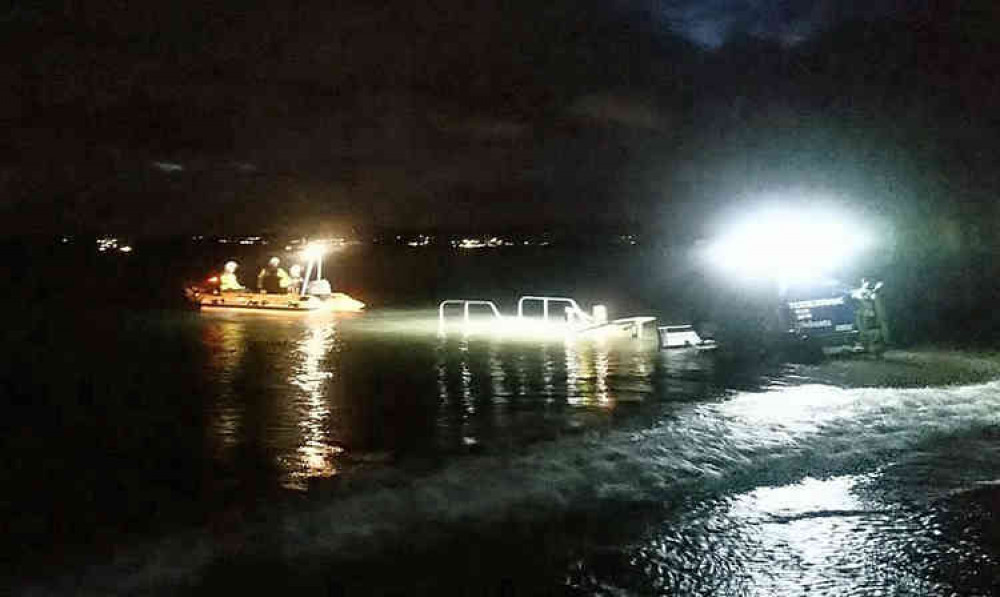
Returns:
(601, 367)
(315, 452)
(757, 533)
(703, 491)
(814, 537)
(821, 535)
(226, 341)
(313, 395)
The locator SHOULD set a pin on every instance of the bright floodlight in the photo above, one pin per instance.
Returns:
(788, 246)
(313, 251)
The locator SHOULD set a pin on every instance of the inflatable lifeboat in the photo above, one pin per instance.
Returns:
(335, 302)
(313, 296)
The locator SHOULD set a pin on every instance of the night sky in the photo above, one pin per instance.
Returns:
(709, 22)
(203, 117)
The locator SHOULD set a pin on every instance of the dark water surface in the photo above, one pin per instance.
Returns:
(161, 451)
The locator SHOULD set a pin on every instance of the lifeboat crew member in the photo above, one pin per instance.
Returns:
(295, 279)
(272, 279)
(228, 281)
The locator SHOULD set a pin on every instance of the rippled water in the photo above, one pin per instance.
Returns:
(319, 396)
(367, 453)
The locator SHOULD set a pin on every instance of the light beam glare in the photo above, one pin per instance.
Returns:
(789, 246)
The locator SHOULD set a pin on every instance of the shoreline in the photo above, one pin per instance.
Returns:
(910, 368)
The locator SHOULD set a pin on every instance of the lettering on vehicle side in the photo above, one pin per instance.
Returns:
(823, 323)
(830, 302)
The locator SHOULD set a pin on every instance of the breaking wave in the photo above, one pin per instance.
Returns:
(724, 448)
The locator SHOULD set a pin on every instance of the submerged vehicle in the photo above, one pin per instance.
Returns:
(311, 294)
(683, 337)
(556, 317)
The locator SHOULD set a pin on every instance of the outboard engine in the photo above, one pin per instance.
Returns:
(600, 314)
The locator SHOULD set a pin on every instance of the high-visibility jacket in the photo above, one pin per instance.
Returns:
(228, 282)
(293, 284)
(273, 280)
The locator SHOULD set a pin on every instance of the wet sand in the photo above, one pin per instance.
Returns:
(910, 368)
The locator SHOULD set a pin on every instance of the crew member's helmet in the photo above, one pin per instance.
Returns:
(295, 271)
(274, 262)
(230, 267)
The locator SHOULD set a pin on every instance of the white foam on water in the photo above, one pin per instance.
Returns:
(816, 428)
(769, 438)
